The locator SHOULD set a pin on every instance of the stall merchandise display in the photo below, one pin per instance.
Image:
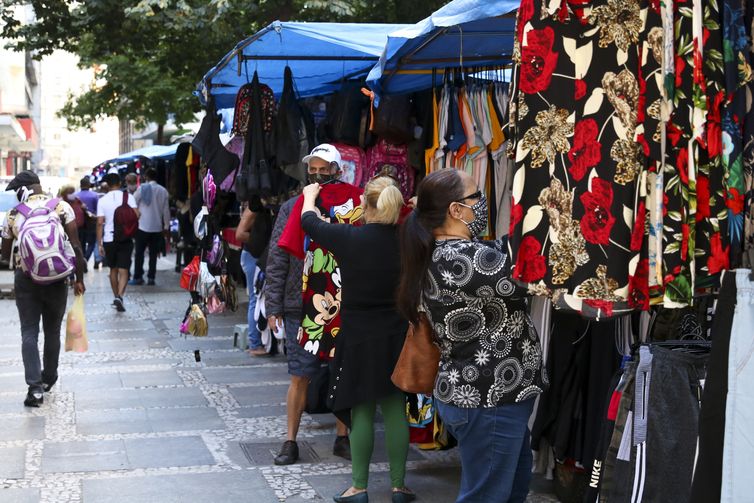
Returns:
(626, 189)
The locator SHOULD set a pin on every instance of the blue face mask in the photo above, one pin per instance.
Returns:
(479, 224)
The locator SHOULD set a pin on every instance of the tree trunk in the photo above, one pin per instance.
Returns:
(160, 134)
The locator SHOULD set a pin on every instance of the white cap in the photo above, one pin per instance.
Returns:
(326, 152)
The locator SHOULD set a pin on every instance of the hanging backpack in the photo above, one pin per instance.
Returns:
(391, 119)
(46, 255)
(294, 131)
(347, 107)
(353, 163)
(255, 175)
(125, 221)
(385, 158)
(242, 113)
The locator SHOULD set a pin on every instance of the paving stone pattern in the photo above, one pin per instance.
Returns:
(137, 419)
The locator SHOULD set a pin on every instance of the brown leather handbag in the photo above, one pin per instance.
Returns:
(417, 365)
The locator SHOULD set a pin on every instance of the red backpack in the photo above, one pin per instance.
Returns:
(80, 214)
(385, 158)
(125, 221)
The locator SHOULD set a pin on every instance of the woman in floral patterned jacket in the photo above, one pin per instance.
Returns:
(491, 364)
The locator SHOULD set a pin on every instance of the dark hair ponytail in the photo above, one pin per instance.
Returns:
(434, 195)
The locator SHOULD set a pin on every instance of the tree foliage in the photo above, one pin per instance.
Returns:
(148, 55)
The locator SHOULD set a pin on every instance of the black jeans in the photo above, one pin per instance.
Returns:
(88, 241)
(47, 302)
(146, 240)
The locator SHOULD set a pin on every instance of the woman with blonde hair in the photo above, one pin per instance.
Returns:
(372, 331)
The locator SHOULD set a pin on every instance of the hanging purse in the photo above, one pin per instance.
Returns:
(417, 365)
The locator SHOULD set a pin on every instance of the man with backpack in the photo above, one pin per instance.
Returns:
(49, 252)
(117, 223)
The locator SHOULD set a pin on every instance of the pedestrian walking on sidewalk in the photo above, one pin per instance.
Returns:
(491, 360)
(372, 331)
(41, 293)
(115, 240)
(152, 201)
(88, 233)
(253, 231)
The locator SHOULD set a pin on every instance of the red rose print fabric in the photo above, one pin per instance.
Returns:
(628, 134)
(578, 231)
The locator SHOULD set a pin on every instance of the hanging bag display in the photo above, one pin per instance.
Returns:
(294, 131)
(352, 165)
(417, 365)
(344, 123)
(385, 158)
(391, 119)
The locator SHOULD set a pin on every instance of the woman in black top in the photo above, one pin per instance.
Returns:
(491, 360)
(372, 331)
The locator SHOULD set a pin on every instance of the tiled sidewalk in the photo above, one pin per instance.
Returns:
(137, 419)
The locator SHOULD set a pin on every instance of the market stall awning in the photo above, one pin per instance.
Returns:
(320, 56)
(468, 33)
(151, 152)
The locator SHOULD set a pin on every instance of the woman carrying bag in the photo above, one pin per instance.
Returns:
(490, 357)
(372, 331)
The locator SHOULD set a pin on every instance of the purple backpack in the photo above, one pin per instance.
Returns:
(46, 255)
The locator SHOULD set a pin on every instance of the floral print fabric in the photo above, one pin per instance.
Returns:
(633, 148)
(490, 351)
(577, 231)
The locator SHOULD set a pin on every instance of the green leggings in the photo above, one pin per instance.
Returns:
(396, 435)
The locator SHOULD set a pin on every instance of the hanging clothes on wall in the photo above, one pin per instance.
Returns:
(626, 127)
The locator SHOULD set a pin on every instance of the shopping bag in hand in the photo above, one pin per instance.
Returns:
(75, 327)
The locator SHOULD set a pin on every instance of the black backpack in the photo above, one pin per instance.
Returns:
(347, 108)
(392, 119)
(294, 131)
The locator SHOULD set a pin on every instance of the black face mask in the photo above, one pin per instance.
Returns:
(320, 178)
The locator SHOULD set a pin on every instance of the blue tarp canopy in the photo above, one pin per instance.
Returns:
(320, 56)
(468, 33)
(152, 152)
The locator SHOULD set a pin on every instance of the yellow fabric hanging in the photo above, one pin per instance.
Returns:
(429, 154)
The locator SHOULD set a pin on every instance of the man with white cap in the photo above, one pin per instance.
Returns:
(310, 322)
(323, 164)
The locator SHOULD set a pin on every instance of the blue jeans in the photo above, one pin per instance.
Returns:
(249, 265)
(496, 457)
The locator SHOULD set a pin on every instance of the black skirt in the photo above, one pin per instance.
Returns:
(366, 351)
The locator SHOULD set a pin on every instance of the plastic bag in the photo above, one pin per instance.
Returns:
(75, 327)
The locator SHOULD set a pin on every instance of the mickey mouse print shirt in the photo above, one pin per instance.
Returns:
(337, 202)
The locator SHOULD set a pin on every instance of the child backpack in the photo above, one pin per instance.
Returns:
(353, 160)
(125, 221)
(386, 159)
(46, 255)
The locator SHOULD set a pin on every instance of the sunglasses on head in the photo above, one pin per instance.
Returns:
(475, 195)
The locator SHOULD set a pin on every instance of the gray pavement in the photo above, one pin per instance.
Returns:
(137, 419)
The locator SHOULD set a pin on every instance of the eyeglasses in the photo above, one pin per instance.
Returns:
(475, 195)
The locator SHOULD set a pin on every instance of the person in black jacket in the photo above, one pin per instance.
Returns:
(372, 331)
(284, 305)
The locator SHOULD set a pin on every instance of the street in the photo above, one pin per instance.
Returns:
(137, 419)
